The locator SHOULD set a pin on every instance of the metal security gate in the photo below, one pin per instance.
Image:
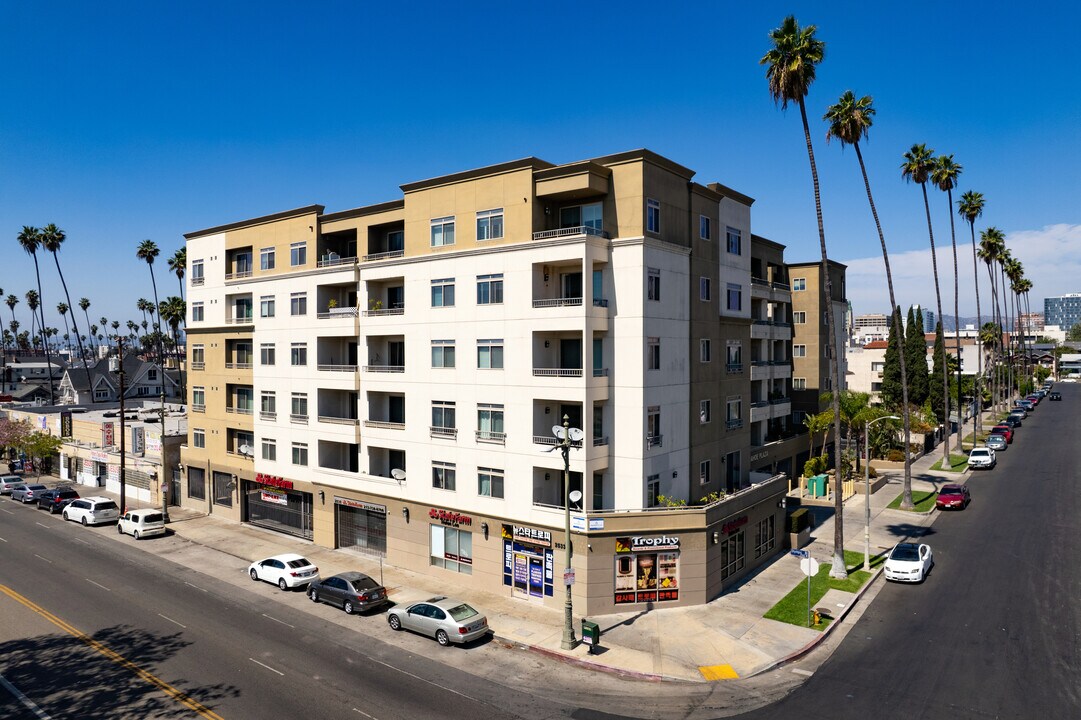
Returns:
(360, 526)
(285, 511)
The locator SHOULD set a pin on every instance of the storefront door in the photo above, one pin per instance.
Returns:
(286, 511)
(528, 575)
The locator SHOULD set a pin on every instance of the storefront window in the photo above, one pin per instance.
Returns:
(764, 537)
(733, 555)
(452, 549)
(643, 572)
(197, 483)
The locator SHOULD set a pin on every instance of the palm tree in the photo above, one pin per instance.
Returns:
(970, 207)
(143, 305)
(917, 167)
(84, 305)
(1015, 272)
(178, 263)
(944, 176)
(148, 251)
(790, 71)
(1004, 258)
(992, 245)
(62, 308)
(52, 238)
(173, 310)
(32, 304)
(849, 121)
(30, 240)
(12, 301)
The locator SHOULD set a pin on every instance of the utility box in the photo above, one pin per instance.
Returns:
(591, 635)
(816, 486)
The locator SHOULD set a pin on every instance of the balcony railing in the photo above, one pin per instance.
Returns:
(196, 281)
(299, 419)
(198, 366)
(338, 420)
(338, 312)
(198, 407)
(558, 302)
(779, 401)
(759, 281)
(238, 275)
(384, 424)
(238, 410)
(442, 432)
(238, 366)
(733, 424)
(734, 367)
(569, 232)
(654, 441)
(488, 436)
(600, 372)
(242, 320)
(384, 311)
(553, 440)
(333, 260)
(557, 372)
(600, 302)
(336, 368)
(264, 415)
(599, 441)
(384, 368)
(384, 255)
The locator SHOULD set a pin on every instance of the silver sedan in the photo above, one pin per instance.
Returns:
(445, 619)
(27, 493)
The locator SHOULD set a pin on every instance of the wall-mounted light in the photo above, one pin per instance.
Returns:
(322, 498)
(547, 343)
(405, 513)
(675, 473)
(547, 410)
(716, 537)
(782, 503)
(547, 476)
(484, 529)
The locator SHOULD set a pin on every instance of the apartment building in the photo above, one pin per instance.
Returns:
(810, 344)
(388, 379)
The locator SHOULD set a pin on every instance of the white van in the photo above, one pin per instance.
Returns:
(141, 523)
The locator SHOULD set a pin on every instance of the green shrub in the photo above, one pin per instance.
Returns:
(798, 521)
(895, 455)
(814, 466)
(871, 472)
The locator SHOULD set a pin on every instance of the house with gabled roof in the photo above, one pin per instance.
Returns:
(101, 382)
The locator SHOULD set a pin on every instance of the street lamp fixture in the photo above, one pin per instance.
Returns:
(567, 435)
(867, 486)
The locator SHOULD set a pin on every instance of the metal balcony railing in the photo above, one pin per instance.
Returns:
(569, 232)
(384, 255)
(558, 302)
(557, 372)
(442, 432)
(489, 436)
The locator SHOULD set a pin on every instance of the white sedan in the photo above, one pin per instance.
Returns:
(286, 571)
(981, 457)
(909, 562)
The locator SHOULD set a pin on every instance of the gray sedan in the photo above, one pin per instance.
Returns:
(27, 493)
(351, 591)
(445, 619)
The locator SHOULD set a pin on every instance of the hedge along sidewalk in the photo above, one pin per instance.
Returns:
(923, 501)
(792, 608)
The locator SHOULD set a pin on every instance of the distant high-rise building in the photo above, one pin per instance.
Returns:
(928, 318)
(1064, 310)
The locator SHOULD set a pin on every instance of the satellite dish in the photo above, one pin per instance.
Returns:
(576, 496)
(575, 433)
(247, 450)
(397, 474)
(557, 430)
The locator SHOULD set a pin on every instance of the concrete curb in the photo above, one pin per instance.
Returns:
(590, 665)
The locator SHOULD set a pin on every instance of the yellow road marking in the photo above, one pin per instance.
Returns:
(120, 660)
(718, 672)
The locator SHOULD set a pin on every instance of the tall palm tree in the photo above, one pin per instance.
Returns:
(84, 305)
(992, 246)
(32, 304)
(1010, 337)
(917, 167)
(970, 207)
(148, 251)
(1015, 273)
(30, 240)
(944, 176)
(790, 70)
(178, 263)
(172, 311)
(143, 305)
(849, 121)
(62, 308)
(12, 300)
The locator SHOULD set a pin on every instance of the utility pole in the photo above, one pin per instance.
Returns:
(123, 445)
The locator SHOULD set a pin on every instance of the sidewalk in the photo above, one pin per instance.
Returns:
(725, 639)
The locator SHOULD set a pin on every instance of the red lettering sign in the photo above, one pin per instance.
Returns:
(449, 517)
(736, 524)
(273, 481)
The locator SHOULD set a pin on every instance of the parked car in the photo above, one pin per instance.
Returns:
(981, 457)
(92, 510)
(953, 496)
(445, 619)
(1003, 429)
(286, 571)
(909, 562)
(996, 442)
(141, 523)
(8, 483)
(57, 499)
(1019, 412)
(1034, 399)
(1014, 421)
(28, 492)
(1054, 395)
(352, 591)
(1028, 405)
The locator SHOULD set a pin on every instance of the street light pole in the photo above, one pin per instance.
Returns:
(161, 451)
(867, 487)
(565, 434)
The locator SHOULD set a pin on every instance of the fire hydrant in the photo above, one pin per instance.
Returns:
(817, 617)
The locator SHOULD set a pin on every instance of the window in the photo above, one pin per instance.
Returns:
(298, 303)
(269, 449)
(444, 422)
(732, 471)
(653, 216)
(443, 292)
(442, 353)
(764, 537)
(443, 475)
(266, 306)
(300, 453)
(705, 229)
(799, 317)
(703, 472)
(198, 357)
(198, 399)
(268, 403)
(653, 490)
(705, 350)
(395, 241)
(242, 264)
(732, 555)
(266, 259)
(242, 309)
(452, 549)
(223, 488)
(197, 277)
(735, 241)
(798, 416)
(588, 216)
(735, 297)
(705, 289)
(734, 357)
(490, 423)
(490, 354)
(489, 224)
(298, 354)
(653, 353)
(653, 284)
(734, 412)
(489, 482)
(705, 412)
(799, 283)
(299, 407)
(298, 254)
(443, 231)
(490, 289)
(198, 438)
(653, 426)
(799, 383)
(877, 367)
(197, 483)
(266, 354)
(197, 312)
(799, 351)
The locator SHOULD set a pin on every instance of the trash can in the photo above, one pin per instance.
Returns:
(591, 635)
(816, 486)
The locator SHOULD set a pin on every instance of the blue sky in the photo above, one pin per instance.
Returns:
(126, 121)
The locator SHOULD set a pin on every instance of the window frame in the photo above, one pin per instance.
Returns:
(734, 291)
(299, 454)
(799, 284)
(705, 227)
(496, 483)
(443, 224)
(653, 353)
(267, 259)
(493, 286)
(298, 304)
(268, 352)
(268, 449)
(445, 349)
(490, 345)
(198, 438)
(298, 254)
(298, 354)
(198, 312)
(734, 238)
(705, 350)
(267, 306)
(491, 221)
(444, 476)
(705, 411)
(705, 289)
(442, 285)
(653, 216)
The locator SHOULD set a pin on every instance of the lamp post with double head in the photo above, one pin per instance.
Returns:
(567, 435)
(867, 487)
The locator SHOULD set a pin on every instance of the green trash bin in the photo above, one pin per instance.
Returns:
(816, 486)
(591, 635)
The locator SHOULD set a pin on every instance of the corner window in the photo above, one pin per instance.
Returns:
(799, 383)
(734, 412)
(653, 426)
(266, 259)
(705, 227)
(198, 399)
(653, 353)
(196, 274)
(799, 317)
(799, 351)
(443, 292)
(735, 241)
(490, 289)
(298, 254)
(442, 353)
(442, 231)
(198, 438)
(653, 284)
(489, 224)
(197, 312)
(653, 216)
(704, 472)
(653, 490)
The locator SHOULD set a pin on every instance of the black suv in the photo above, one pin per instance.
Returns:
(1055, 395)
(57, 499)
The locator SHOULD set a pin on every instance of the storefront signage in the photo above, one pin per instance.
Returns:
(153, 442)
(107, 434)
(646, 577)
(273, 481)
(274, 497)
(734, 525)
(98, 456)
(640, 543)
(361, 505)
(528, 535)
(138, 435)
(65, 424)
(528, 566)
(449, 517)
(596, 523)
(578, 523)
(114, 473)
(760, 455)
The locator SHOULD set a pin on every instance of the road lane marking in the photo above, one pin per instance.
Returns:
(173, 621)
(427, 681)
(278, 621)
(365, 714)
(801, 671)
(2, 540)
(43, 558)
(178, 695)
(80, 540)
(98, 584)
(194, 586)
(7, 511)
(267, 667)
(23, 699)
(41, 524)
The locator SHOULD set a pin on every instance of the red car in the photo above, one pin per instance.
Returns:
(1003, 430)
(953, 496)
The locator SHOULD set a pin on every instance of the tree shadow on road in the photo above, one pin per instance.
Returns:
(66, 677)
(908, 530)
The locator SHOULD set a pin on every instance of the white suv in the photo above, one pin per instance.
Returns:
(92, 510)
(981, 457)
(141, 523)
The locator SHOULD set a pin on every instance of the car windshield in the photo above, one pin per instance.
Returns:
(905, 552)
(950, 490)
(461, 612)
(298, 563)
(978, 452)
(35, 487)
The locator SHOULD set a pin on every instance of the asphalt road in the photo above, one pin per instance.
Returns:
(995, 631)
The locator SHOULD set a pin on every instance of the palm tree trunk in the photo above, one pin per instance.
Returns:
(161, 345)
(976, 388)
(44, 339)
(74, 325)
(906, 502)
(957, 328)
(945, 368)
(838, 570)
(90, 335)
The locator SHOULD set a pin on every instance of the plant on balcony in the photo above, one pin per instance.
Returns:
(331, 304)
(665, 501)
(712, 497)
(375, 304)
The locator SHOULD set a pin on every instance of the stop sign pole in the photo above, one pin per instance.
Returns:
(810, 567)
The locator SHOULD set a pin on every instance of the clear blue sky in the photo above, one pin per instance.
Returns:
(124, 121)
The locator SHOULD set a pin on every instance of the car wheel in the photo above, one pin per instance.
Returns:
(348, 607)
(395, 622)
(83, 521)
(442, 638)
(282, 585)
(119, 529)
(66, 518)
(254, 575)
(313, 595)
(135, 534)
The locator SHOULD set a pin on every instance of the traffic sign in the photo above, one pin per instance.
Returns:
(809, 566)
(800, 553)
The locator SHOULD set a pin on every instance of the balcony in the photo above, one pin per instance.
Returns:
(733, 368)
(384, 425)
(333, 259)
(242, 320)
(298, 419)
(600, 441)
(654, 441)
(338, 420)
(569, 232)
(229, 409)
(488, 436)
(337, 368)
(198, 407)
(557, 372)
(238, 366)
(383, 368)
(760, 410)
(238, 275)
(338, 313)
(384, 312)
(558, 302)
(733, 424)
(197, 281)
(270, 416)
(388, 255)
(198, 366)
(442, 432)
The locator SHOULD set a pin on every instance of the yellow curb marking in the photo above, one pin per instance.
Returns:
(718, 672)
(120, 660)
